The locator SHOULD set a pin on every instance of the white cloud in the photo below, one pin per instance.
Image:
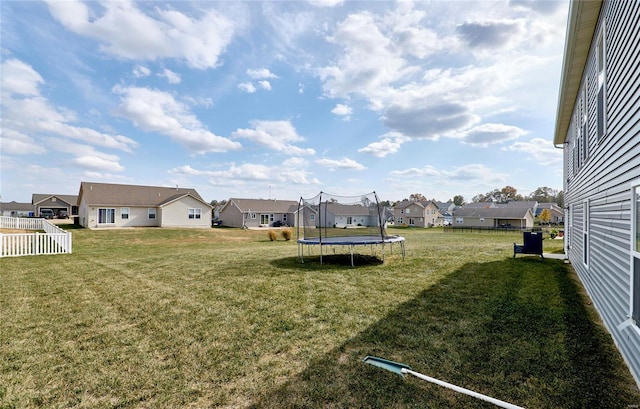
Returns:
(325, 3)
(97, 163)
(265, 85)
(247, 87)
(389, 143)
(30, 113)
(260, 74)
(251, 172)
(156, 111)
(487, 134)
(275, 135)
(538, 149)
(127, 32)
(344, 163)
(427, 171)
(20, 78)
(14, 142)
(172, 77)
(342, 110)
(140, 71)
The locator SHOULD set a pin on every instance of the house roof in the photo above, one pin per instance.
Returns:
(41, 197)
(16, 206)
(581, 25)
(347, 210)
(493, 212)
(406, 203)
(264, 205)
(107, 194)
(478, 205)
(519, 203)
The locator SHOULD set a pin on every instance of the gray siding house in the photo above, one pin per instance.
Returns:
(598, 126)
(520, 218)
(252, 213)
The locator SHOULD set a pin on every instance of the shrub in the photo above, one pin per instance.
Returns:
(553, 233)
(272, 235)
(287, 233)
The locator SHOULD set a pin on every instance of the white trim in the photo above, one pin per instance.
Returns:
(586, 225)
(635, 252)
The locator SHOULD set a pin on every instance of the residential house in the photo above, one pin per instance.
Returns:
(525, 204)
(598, 126)
(57, 203)
(344, 216)
(446, 210)
(557, 213)
(417, 214)
(16, 209)
(520, 218)
(250, 213)
(111, 205)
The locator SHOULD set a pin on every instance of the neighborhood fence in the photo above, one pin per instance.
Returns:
(469, 229)
(52, 239)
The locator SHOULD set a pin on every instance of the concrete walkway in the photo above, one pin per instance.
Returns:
(555, 256)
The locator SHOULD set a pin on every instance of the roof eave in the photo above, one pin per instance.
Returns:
(581, 25)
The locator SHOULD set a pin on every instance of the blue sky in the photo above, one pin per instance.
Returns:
(281, 99)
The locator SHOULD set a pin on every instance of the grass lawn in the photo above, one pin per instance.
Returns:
(155, 318)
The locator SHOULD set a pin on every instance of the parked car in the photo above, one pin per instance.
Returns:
(46, 213)
(63, 214)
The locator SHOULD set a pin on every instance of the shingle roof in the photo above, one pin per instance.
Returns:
(264, 205)
(16, 206)
(492, 212)
(39, 197)
(107, 194)
(347, 210)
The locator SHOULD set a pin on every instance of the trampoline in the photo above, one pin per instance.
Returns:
(343, 221)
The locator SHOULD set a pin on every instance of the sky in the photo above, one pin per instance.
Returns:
(281, 99)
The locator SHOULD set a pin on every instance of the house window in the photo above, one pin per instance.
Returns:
(585, 233)
(482, 220)
(264, 219)
(124, 213)
(459, 220)
(151, 212)
(601, 96)
(400, 220)
(412, 221)
(635, 254)
(408, 211)
(271, 217)
(312, 216)
(252, 216)
(284, 217)
(106, 216)
(195, 213)
(583, 128)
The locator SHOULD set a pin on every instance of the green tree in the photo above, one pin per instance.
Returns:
(543, 194)
(417, 197)
(458, 200)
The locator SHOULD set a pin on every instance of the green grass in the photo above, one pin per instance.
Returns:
(155, 318)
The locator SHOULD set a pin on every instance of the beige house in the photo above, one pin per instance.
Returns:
(57, 203)
(417, 214)
(111, 205)
(250, 213)
(494, 217)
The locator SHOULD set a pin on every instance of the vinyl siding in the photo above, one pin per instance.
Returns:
(605, 173)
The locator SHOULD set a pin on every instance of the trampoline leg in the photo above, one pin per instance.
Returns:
(352, 265)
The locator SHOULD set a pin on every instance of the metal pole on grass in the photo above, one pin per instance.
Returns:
(403, 370)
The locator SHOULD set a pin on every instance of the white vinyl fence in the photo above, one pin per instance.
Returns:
(54, 240)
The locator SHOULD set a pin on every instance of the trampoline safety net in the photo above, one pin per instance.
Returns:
(349, 221)
(327, 216)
